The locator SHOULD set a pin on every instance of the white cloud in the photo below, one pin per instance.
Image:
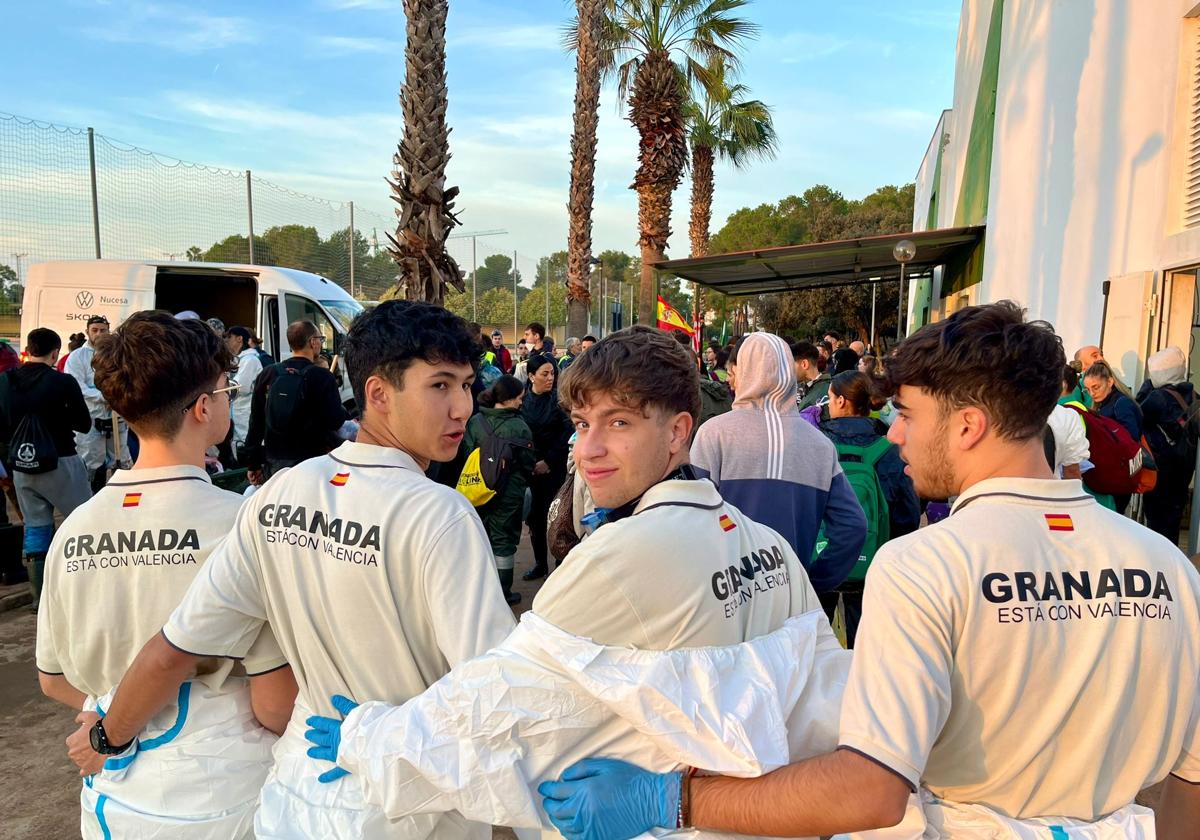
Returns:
(340, 45)
(521, 37)
(173, 28)
(799, 45)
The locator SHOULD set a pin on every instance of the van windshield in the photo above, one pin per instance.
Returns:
(343, 311)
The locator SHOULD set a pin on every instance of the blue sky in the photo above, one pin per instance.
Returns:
(304, 93)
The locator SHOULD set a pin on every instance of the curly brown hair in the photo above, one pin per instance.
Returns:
(153, 366)
(639, 367)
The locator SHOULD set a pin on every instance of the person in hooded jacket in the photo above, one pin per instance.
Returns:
(56, 399)
(551, 430)
(850, 423)
(1168, 422)
(777, 468)
(500, 408)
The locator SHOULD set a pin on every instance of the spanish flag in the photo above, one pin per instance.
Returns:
(727, 524)
(132, 500)
(1059, 522)
(340, 479)
(670, 319)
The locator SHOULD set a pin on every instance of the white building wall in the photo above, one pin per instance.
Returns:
(1085, 137)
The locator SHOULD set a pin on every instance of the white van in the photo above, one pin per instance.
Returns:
(264, 298)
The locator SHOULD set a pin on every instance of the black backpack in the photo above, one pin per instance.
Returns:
(284, 400)
(30, 449)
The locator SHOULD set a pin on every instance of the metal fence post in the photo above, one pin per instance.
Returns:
(547, 290)
(351, 249)
(515, 316)
(250, 214)
(95, 199)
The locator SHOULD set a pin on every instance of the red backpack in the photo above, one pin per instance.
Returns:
(1120, 464)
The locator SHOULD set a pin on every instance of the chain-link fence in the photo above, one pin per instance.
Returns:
(72, 193)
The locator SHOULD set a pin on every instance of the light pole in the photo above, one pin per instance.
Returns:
(599, 314)
(903, 252)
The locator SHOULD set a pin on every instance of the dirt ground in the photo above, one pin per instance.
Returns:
(39, 786)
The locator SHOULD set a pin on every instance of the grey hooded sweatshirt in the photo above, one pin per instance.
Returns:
(777, 468)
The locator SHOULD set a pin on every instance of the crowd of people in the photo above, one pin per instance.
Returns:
(334, 654)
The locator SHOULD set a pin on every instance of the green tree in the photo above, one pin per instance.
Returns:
(658, 50)
(495, 273)
(496, 307)
(236, 249)
(194, 254)
(533, 307)
(553, 267)
(295, 246)
(821, 214)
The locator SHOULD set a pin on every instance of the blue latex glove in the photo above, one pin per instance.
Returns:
(326, 733)
(607, 799)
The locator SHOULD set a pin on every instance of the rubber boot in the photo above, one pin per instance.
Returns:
(99, 479)
(35, 565)
(506, 581)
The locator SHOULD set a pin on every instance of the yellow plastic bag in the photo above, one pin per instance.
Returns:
(471, 484)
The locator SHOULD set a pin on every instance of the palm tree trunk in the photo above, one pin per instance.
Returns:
(702, 196)
(418, 181)
(656, 110)
(590, 14)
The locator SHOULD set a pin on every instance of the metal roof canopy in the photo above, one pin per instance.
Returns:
(823, 264)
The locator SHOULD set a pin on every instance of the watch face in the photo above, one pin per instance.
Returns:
(96, 738)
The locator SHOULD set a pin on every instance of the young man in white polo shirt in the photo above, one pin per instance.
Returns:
(1027, 666)
(375, 579)
(670, 571)
(118, 567)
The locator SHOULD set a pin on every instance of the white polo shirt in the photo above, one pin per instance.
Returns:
(375, 579)
(1034, 653)
(121, 563)
(685, 570)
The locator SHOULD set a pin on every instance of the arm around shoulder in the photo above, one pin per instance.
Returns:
(1178, 812)
(272, 697)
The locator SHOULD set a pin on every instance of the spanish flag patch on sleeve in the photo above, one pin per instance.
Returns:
(132, 500)
(727, 524)
(340, 479)
(1059, 522)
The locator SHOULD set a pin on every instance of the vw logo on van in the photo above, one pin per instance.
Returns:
(84, 300)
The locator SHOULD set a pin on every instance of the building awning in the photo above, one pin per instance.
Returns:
(824, 264)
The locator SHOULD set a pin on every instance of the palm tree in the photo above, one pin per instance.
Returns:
(418, 180)
(725, 124)
(658, 49)
(587, 38)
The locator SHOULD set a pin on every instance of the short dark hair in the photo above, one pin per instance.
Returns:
(299, 333)
(537, 329)
(836, 335)
(683, 338)
(240, 332)
(385, 341)
(722, 356)
(97, 319)
(991, 357)
(805, 351)
(589, 337)
(43, 342)
(153, 366)
(828, 347)
(638, 367)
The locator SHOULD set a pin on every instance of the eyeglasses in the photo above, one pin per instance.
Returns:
(231, 390)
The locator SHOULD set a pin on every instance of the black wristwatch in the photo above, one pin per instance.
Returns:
(100, 744)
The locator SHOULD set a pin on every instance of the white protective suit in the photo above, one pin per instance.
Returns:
(95, 447)
(139, 793)
(249, 366)
(481, 739)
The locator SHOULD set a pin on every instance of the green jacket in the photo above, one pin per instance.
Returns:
(714, 399)
(817, 391)
(502, 515)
